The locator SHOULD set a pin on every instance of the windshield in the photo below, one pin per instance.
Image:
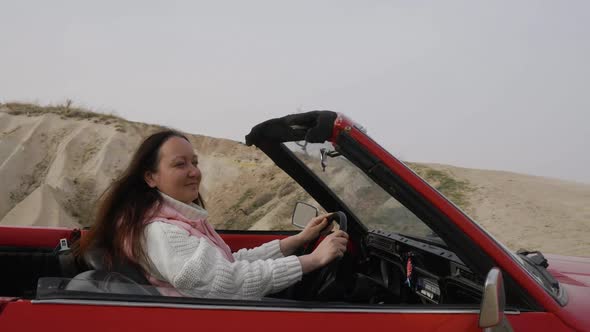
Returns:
(373, 206)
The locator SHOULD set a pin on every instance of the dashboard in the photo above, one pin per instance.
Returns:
(404, 270)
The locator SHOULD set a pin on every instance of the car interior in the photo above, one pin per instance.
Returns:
(374, 271)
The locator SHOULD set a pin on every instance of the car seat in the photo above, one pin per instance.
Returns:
(121, 279)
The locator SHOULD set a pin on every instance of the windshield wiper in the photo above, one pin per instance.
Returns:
(539, 262)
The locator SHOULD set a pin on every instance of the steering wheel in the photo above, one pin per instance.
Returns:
(326, 275)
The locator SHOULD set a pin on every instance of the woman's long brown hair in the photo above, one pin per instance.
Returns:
(124, 206)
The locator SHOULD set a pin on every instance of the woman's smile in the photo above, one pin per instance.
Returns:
(177, 174)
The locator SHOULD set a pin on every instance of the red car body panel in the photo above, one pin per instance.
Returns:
(46, 237)
(238, 241)
(573, 274)
(89, 318)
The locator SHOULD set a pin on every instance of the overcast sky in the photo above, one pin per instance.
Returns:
(484, 84)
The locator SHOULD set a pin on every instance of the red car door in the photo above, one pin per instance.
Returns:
(128, 316)
(104, 314)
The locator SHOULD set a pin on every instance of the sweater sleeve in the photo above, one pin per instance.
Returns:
(269, 250)
(195, 267)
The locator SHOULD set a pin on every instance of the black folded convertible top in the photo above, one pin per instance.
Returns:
(313, 127)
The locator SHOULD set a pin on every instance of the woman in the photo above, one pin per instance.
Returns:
(154, 218)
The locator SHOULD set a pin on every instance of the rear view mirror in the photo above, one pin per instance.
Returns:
(491, 315)
(303, 213)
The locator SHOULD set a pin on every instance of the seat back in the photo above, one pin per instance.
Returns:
(94, 259)
(122, 278)
(97, 281)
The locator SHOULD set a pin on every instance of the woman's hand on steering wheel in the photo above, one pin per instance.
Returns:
(316, 227)
(330, 249)
(326, 258)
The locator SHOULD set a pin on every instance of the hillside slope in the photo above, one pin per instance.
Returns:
(54, 166)
(55, 162)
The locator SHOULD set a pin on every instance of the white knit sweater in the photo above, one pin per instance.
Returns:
(195, 267)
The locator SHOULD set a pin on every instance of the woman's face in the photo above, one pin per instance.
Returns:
(178, 174)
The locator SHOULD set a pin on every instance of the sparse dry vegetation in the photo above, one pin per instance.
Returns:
(455, 190)
(65, 111)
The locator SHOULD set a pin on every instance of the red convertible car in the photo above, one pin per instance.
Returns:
(415, 262)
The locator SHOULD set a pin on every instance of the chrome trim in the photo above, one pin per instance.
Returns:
(562, 296)
(263, 308)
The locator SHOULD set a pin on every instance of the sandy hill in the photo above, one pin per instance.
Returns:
(525, 211)
(56, 161)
